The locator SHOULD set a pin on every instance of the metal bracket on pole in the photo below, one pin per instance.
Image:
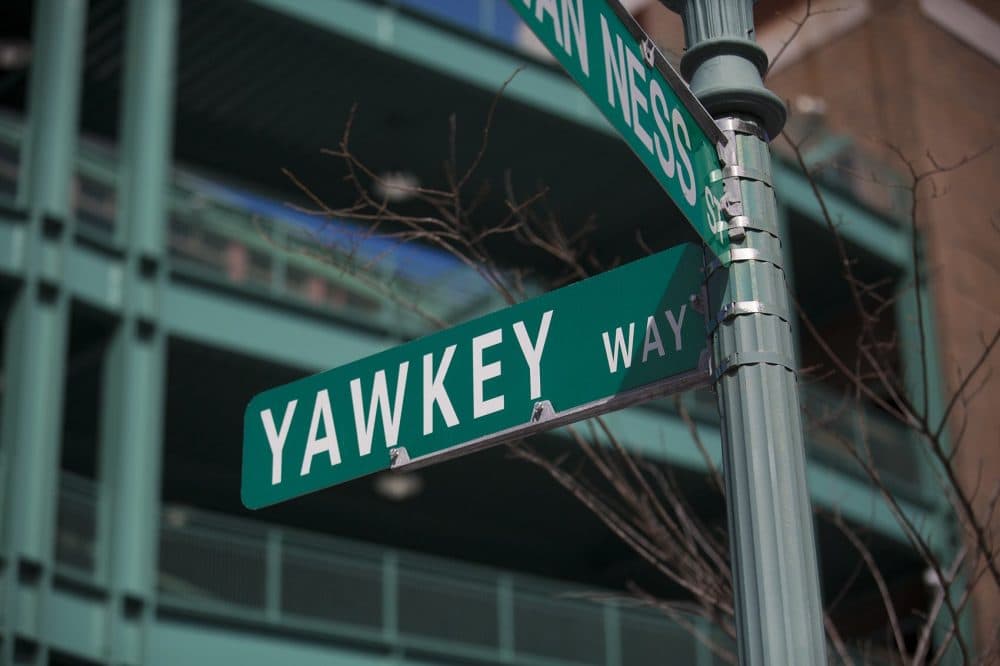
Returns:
(648, 52)
(739, 126)
(737, 308)
(739, 225)
(398, 457)
(738, 359)
(731, 202)
(736, 171)
(737, 228)
(542, 411)
(734, 255)
(699, 302)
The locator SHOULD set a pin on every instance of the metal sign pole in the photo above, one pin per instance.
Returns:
(778, 610)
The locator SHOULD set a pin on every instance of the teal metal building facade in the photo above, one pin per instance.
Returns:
(151, 282)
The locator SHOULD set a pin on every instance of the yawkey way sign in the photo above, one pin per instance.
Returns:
(618, 338)
(621, 337)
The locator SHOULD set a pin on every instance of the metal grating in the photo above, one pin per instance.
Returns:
(647, 640)
(227, 565)
(207, 566)
(449, 608)
(325, 586)
(563, 629)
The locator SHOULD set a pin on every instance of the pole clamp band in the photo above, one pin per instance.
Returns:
(746, 223)
(733, 255)
(740, 222)
(738, 225)
(737, 308)
(740, 359)
(741, 126)
(739, 171)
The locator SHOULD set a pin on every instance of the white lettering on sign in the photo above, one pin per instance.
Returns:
(573, 20)
(385, 404)
(687, 183)
(549, 7)
(675, 325)
(652, 341)
(569, 26)
(434, 392)
(276, 439)
(664, 146)
(620, 347)
(631, 85)
(481, 373)
(637, 69)
(625, 74)
(614, 71)
(380, 401)
(533, 352)
(713, 213)
(328, 442)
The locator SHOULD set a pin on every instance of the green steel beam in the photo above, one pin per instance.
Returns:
(267, 331)
(134, 372)
(55, 79)
(75, 622)
(35, 342)
(464, 58)
(90, 275)
(876, 234)
(175, 641)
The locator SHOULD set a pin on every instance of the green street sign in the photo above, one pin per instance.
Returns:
(606, 52)
(621, 337)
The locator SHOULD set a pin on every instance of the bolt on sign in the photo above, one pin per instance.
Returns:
(617, 65)
(621, 337)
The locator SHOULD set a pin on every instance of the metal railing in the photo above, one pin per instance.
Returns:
(241, 240)
(240, 570)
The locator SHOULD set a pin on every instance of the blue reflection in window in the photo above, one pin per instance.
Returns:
(492, 18)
